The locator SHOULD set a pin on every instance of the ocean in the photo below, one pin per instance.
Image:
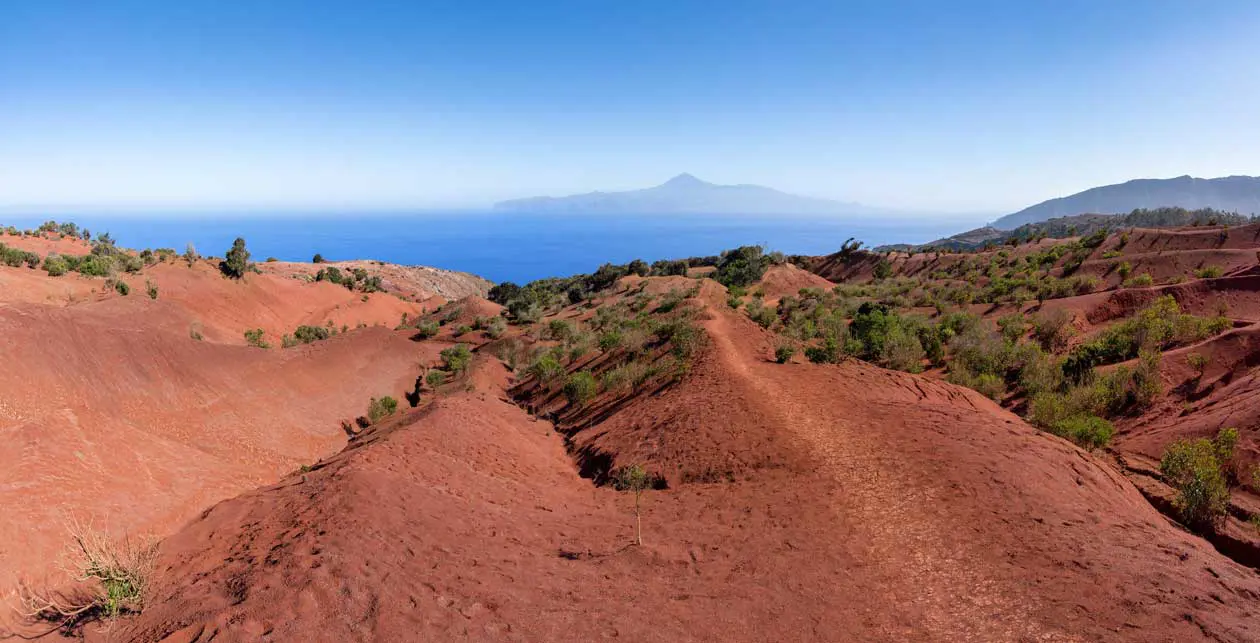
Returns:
(498, 246)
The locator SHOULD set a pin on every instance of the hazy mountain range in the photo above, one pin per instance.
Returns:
(687, 194)
(1231, 193)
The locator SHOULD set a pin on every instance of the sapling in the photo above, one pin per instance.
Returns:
(634, 478)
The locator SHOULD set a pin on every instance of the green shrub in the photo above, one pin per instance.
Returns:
(1144, 280)
(456, 358)
(1040, 372)
(682, 336)
(560, 330)
(625, 376)
(882, 269)
(1198, 362)
(236, 262)
(987, 384)
(122, 287)
(1013, 326)
(829, 353)
(1090, 432)
(546, 367)
(580, 388)
(307, 334)
(902, 350)
(758, 312)
(1197, 470)
(610, 340)
(254, 337)
(784, 352)
(95, 266)
(463, 329)
(741, 266)
(318, 258)
(435, 378)
(1209, 272)
(56, 266)
(427, 329)
(379, 409)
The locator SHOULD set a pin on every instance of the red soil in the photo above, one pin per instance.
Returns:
(44, 244)
(787, 279)
(111, 412)
(901, 508)
(114, 414)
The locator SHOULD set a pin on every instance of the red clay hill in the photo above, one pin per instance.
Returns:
(835, 500)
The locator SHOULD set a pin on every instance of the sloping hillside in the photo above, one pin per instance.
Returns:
(924, 512)
(1230, 193)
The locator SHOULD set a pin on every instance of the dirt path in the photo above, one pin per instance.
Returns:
(946, 592)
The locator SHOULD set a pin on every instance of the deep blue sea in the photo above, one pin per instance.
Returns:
(497, 246)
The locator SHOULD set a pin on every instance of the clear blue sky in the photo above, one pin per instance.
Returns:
(944, 106)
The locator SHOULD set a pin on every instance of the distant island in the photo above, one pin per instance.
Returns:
(1239, 194)
(686, 194)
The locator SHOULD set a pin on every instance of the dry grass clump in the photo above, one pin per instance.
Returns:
(112, 578)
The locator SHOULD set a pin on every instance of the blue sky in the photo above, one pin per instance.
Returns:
(942, 106)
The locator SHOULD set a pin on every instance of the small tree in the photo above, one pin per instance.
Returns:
(634, 478)
(318, 258)
(1197, 361)
(236, 262)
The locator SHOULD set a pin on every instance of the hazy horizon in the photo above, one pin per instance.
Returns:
(973, 108)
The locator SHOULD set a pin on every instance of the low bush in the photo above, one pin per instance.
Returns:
(1144, 280)
(1013, 326)
(783, 353)
(546, 367)
(307, 334)
(1088, 431)
(1158, 326)
(435, 378)
(379, 409)
(456, 358)
(610, 340)
(118, 574)
(427, 329)
(1198, 362)
(1209, 272)
(254, 337)
(830, 352)
(1197, 470)
(56, 266)
(580, 388)
(1051, 328)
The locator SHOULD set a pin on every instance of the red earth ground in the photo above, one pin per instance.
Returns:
(804, 502)
(882, 506)
(114, 414)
